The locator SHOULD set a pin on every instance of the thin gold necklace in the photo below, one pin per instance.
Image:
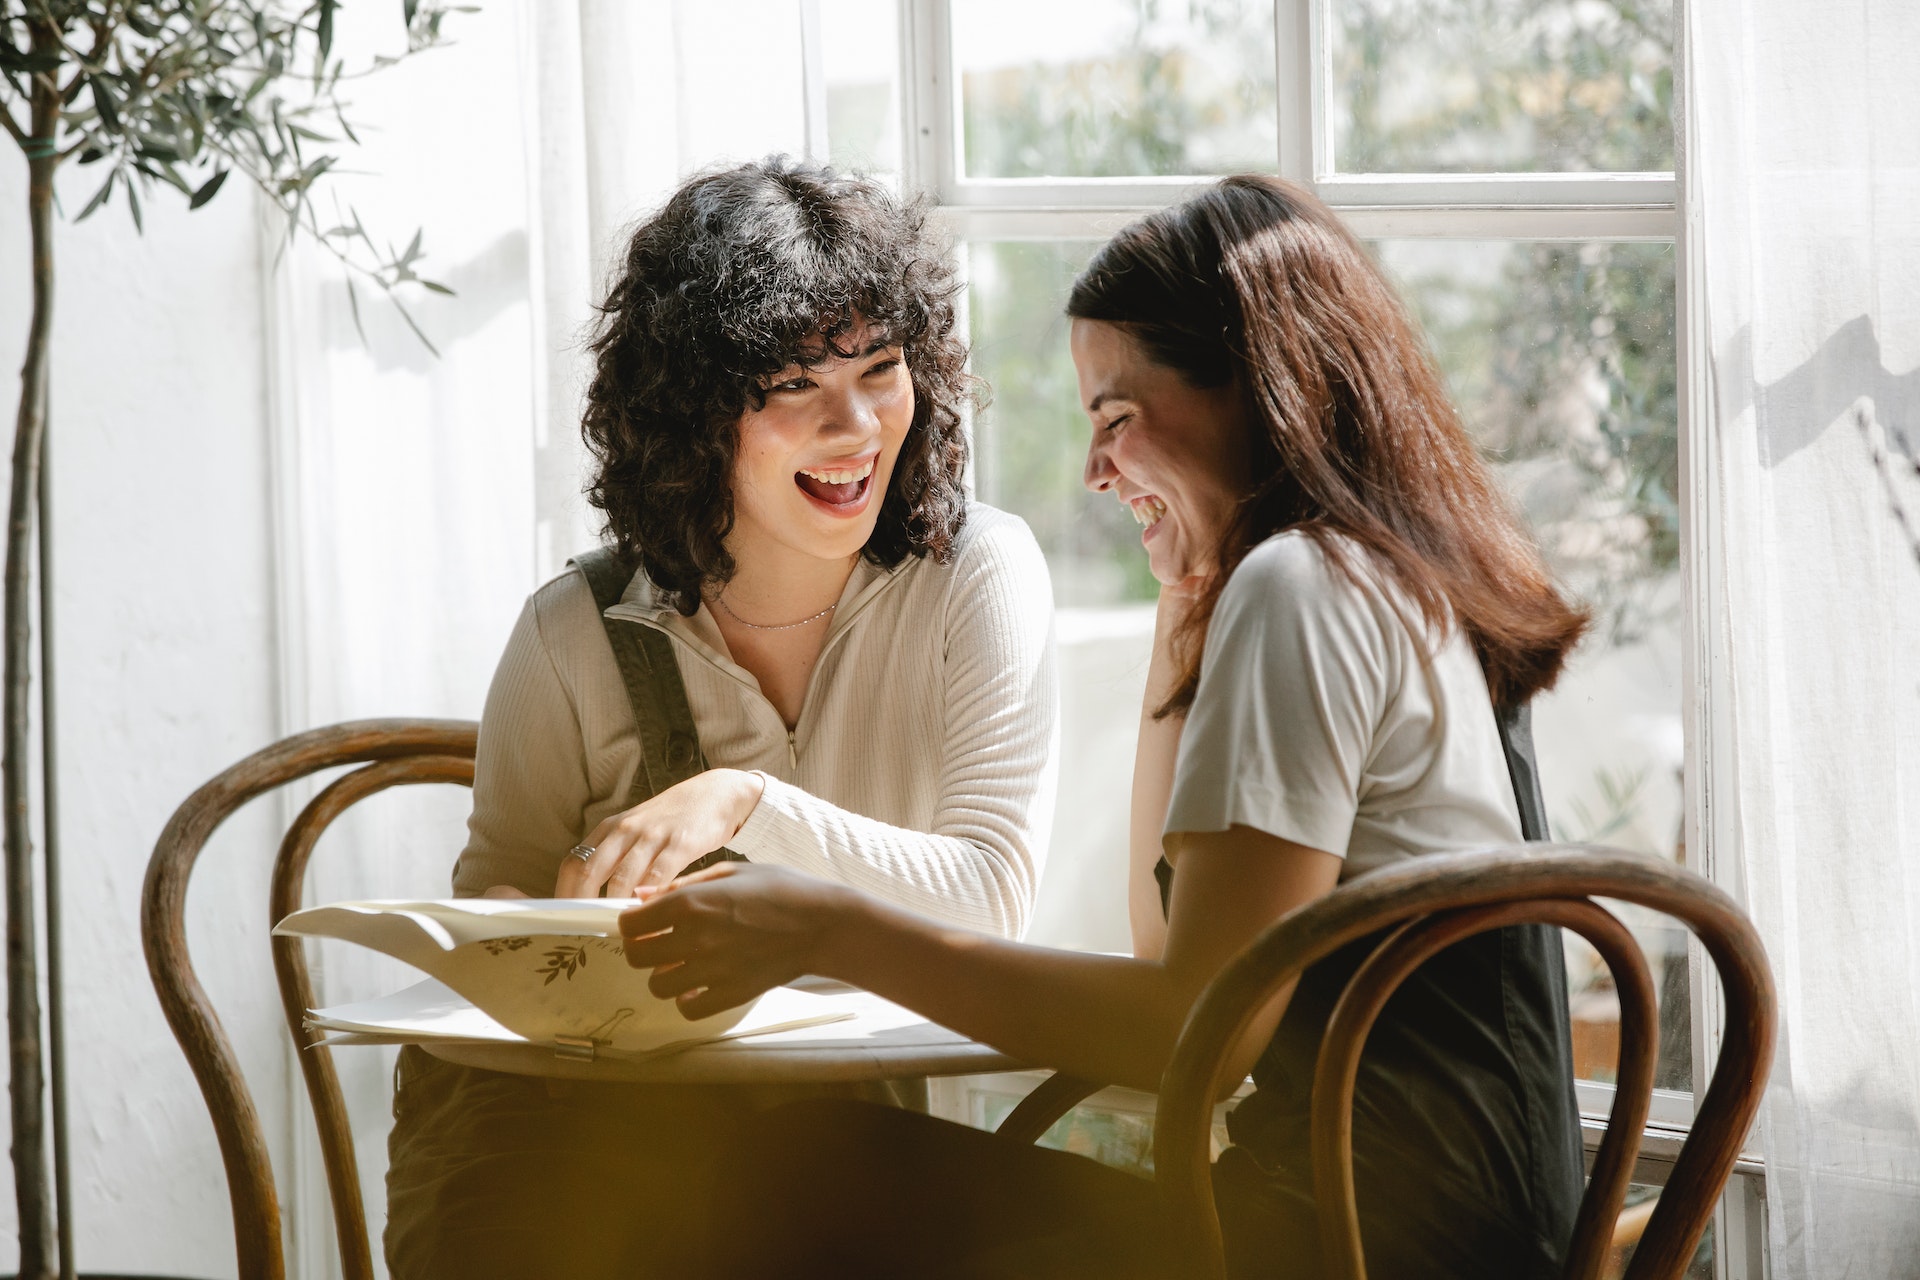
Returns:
(721, 600)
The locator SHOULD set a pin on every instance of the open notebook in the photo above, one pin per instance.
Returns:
(545, 971)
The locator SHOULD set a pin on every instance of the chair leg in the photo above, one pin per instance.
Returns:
(1039, 1110)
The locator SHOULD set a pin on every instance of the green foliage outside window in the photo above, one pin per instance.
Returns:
(1560, 355)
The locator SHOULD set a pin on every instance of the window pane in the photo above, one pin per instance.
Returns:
(1561, 359)
(860, 57)
(1517, 86)
(1031, 439)
(1110, 88)
(1030, 445)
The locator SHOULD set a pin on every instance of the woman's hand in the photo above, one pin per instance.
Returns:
(651, 843)
(719, 938)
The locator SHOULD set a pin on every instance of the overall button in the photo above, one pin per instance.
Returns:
(681, 750)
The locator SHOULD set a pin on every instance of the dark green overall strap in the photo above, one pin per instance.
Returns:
(1516, 744)
(662, 717)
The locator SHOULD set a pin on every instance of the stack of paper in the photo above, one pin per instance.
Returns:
(433, 1011)
(525, 970)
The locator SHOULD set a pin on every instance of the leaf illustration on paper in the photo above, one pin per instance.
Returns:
(566, 960)
(500, 946)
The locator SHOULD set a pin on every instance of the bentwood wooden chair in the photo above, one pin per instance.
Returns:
(1423, 906)
(391, 753)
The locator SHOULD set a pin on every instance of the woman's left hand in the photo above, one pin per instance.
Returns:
(651, 843)
(721, 937)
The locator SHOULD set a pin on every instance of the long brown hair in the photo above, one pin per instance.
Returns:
(1256, 282)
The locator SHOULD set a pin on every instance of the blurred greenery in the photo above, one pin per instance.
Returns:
(1188, 90)
(1032, 435)
(1561, 358)
(1447, 86)
(1560, 355)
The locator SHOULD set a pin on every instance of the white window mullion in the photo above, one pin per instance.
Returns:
(813, 80)
(1527, 190)
(926, 99)
(1098, 220)
(1297, 91)
(1518, 222)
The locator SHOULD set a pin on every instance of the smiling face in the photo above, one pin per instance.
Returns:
(813, 464)
(1175, 454)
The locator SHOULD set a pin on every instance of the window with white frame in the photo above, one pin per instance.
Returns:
(1510, 162)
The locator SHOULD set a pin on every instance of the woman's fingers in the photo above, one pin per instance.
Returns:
(617, 850)
(662, 870)
(718, 999)
(656, 949)
(649, 861)
(582, 877)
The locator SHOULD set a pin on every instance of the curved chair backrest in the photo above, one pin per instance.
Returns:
(1430, 903)
(395, 752)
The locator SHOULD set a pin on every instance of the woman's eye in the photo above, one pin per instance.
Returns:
(792, 384)
(1120, 421)
(884, 366)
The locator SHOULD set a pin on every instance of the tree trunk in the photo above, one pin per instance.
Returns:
(26, 1079)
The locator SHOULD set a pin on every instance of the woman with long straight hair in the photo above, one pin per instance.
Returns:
(1346, 600)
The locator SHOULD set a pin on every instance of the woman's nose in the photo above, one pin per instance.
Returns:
(1099, 474)
(850, 412)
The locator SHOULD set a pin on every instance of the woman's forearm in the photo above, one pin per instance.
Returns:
(978, 869)
(1105, 1018)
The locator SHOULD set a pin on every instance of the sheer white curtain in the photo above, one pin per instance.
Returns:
(1806, 170)
(420, 498)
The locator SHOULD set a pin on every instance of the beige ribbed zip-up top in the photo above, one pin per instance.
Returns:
(921, 770)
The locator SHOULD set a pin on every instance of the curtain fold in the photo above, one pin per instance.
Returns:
(1806, 171)
(419, 497)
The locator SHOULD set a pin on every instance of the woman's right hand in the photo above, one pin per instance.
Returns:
(720, 937)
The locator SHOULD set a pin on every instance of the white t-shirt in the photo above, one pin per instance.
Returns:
(1324, 716)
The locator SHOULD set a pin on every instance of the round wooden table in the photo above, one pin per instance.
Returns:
(883, 1041)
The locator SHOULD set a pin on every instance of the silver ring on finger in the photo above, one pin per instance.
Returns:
(584, 852)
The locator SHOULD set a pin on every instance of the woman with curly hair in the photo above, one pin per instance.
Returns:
(804, 647)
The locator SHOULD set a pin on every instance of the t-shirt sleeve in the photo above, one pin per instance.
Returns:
(1292, 688)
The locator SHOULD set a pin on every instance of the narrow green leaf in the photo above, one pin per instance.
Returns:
(99, 197)
(418, 332)
(353, 306)
(104, 103)
(208, 190)
(413, 248)
(26, 60)
(437, 287)
(323, 30)
(133, 204)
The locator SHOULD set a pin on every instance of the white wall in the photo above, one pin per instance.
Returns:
(164, 617)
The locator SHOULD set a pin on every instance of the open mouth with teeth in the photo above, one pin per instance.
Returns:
(837, 487)
(1147, 509)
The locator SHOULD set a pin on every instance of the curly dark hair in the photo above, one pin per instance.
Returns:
(742, 273)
